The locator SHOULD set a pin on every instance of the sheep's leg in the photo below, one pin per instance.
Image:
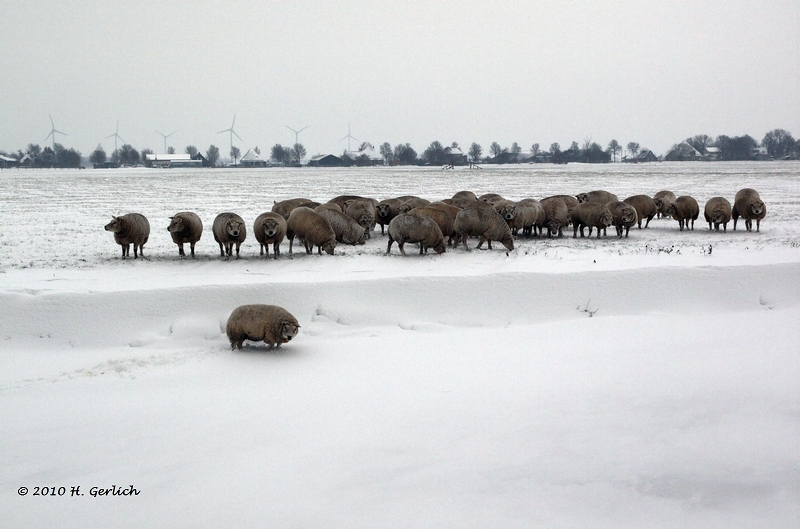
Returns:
(238, 244)
(191, 245)
(276, 250)
(400, 245)
(389, 246)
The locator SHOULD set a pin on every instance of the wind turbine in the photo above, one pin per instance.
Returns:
(233, 132)
(115, 136)
(165, 138)
(348, 137)
(53, 132)
(296, 132)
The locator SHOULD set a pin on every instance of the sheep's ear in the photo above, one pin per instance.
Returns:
(171, 218)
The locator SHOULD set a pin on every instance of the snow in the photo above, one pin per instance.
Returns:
(645, 382)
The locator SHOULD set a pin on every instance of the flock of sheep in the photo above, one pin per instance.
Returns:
(350, 219)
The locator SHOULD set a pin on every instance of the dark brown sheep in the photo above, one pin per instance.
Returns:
(229, 229)
(312, 228)
(469, 195)
(624, 216)
(718, 211)
(440, 217)
(645, 206)
(270, 228)
(268, 323)
(590, 215)
(407, 204)
(413, 227)
(683, 210)
(132, 228)
(185, 227)
(750, 208)
(385, 211)
(362, 210)
(285, 207)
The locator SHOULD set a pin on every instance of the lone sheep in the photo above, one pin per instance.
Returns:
(718, 211)
(414, 227)
(185, 227)
(270, 228)
(132, 228)
(229, 229)
(312, 228)
(268, 323)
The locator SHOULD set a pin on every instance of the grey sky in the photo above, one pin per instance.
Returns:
(404, 71)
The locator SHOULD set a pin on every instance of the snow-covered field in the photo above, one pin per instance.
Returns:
(652, 381)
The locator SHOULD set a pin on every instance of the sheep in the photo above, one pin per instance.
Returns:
(484, 222)
(624, 216)
(412, 202)
(461, 202)
(413, 227)
(718, 211)
(645, 208)
(684, 208)
(490, 198)
(361, 210)
(342, 199)
(285, 207)
(185, 227)
(229, 229)
(133, 228)
(328, 206)
(590, 215)
(385, 211)
(569, 200)
(556, 216)
(268, 323)
(312, 228)
(750, 208)
(746, 192)
(270, 228)
(346, 229)
(468, 195)
(602, 197)
(440, 217)
(662, 200)
(522, 217)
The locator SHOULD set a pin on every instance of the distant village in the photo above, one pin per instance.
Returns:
(777, 144)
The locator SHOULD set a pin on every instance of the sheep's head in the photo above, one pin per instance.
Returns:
(115, 225)
(288, 330)
(583, 197)
(439, 248)
(606, 218)
(233, 227)
(270, 227)
(553, 225)
(175, 224)
(757, 208)
(508, 242)
(508, 212)
(627, 215)
(329, 246)
(671, 211)
(718, 216)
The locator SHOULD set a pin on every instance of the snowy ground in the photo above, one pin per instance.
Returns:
(652, 381)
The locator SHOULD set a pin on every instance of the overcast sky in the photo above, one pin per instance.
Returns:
(399, 71)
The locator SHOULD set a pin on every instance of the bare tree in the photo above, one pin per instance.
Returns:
(613, 148)
(633, 148)
(212, 154)
(535, 149)
(514, 152)
(235, 153)
(388, 153)
(298, 153)
(475, 152)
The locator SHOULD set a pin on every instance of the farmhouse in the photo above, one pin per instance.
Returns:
(171, 160)
(325, 160)
(252, 159)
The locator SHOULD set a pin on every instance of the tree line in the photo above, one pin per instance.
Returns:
(778, 144)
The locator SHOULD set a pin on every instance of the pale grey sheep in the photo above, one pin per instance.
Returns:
(362, 210)
(312, 228)
(440, 217)
(270, 324)
(600, 196)
(413, 227)
(285, 207)
(185, 227)
(536, 205)
(484, 222)
(591, 215)
(524, 218)
(662, 200)
(716, 212)
(683, 210)
(624, 216)
(750, 208)
(645, 206)
(270, 228)
(346, 229)
(556, 216)
(229, 229)
(132, 228)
